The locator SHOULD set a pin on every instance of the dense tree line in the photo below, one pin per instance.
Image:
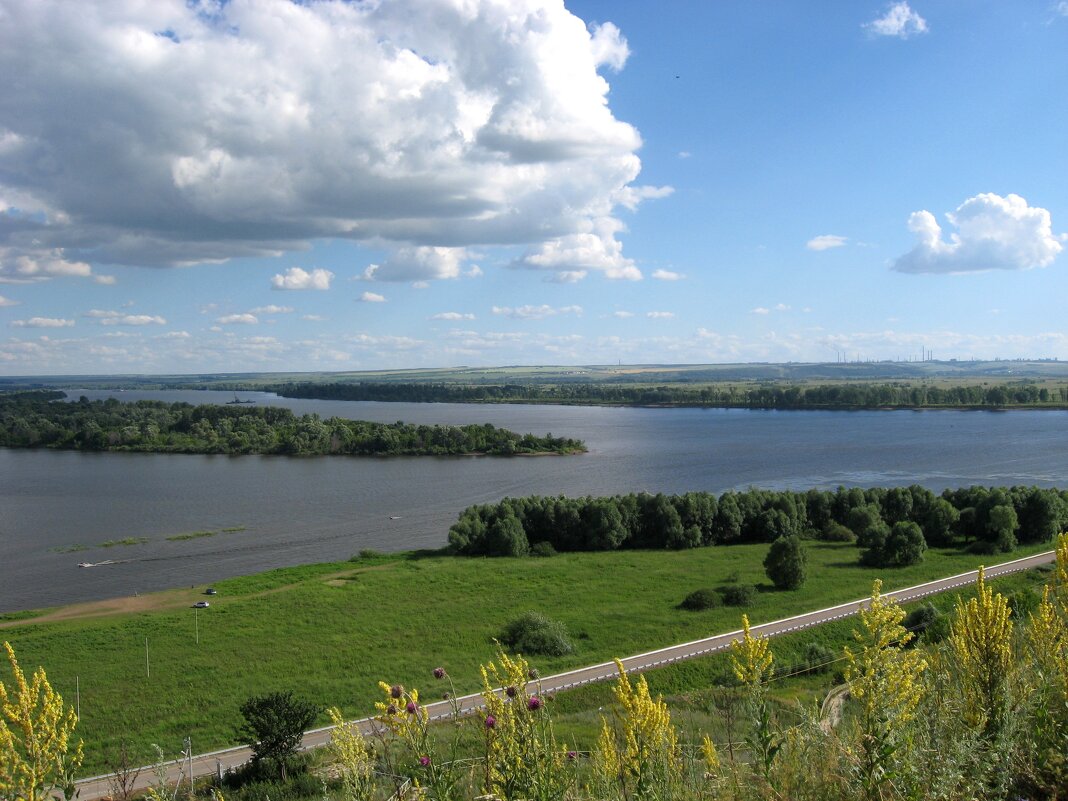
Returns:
(892, 526)
(35, 420)
(829, 396)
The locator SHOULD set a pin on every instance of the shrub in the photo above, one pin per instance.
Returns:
(542, 549)
(739, 595)
(534, 633)
(701, 599)
(786, 562)
(1023, 602)
(819, 658)
(836, 532)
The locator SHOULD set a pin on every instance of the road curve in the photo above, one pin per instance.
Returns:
(215, 761)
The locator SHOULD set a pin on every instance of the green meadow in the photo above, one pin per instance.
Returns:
(330, 632)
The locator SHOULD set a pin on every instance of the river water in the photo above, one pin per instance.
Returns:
(300, 510)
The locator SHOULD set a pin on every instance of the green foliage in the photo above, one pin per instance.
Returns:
(903, 545)
(274, 725)
(543, 549)
(533, 634)
(31, 421)
(836, 532)
(738, 594)
(786, 563)
(702, 599)
(765, 396)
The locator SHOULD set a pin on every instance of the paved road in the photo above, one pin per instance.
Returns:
(206, 764)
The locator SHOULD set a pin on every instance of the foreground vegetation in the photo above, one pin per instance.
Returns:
(331, 631)
(982, 714)
(35, 420)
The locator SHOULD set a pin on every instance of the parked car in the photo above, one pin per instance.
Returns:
(201, 605)
(209, 591)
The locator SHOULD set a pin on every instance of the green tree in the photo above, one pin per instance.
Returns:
(786, 563)
(274, 726)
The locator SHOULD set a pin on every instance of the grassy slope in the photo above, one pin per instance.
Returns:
(330, 632)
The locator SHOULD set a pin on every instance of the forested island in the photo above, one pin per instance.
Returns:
(37, 420)
(893, 526)
(789, 396)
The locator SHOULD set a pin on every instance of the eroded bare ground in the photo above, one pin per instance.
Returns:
(163, 600)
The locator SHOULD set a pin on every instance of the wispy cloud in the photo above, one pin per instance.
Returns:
(371, 297)
(271, 309)
(660, 315)
(535, 312)
(42, 322)
(237, 319)
(667, 275)
(826, 242)
(452, 316)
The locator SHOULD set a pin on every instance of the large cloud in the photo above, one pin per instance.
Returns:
(993, 233)
(185, 131)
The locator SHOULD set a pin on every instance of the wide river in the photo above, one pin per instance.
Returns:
(300, 510)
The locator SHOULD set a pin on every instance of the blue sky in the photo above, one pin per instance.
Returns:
(193, 187)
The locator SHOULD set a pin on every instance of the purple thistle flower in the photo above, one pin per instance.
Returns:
(534, 703)
(424, 761)
(439, 673)
(490, 721)
(572, 755)
(412, 707)
(510, 692)
(396, 691)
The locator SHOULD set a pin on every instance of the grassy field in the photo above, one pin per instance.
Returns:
(330, 632)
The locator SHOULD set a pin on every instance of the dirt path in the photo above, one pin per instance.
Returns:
(158, 601)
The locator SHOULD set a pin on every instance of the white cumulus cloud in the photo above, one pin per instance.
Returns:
(993, 233)
(826, 242)
(237, 319)
(205, 131)
(529, 312)
(418, 264)
(667, 275)
(593, 249)
(899, 20)
(299, 278)
(371, 297)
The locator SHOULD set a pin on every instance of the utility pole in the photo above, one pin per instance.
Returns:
(148, 673)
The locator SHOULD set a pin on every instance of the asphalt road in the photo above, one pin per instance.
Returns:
(215, 761)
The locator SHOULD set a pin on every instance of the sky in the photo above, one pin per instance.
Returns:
(207, 186)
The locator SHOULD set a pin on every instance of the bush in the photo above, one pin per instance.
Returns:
(836, 532)
(1023, 602)
(542, 549)
(819, 658)
(533, 633)
(739, 595)
(701, 599)
(786, 562)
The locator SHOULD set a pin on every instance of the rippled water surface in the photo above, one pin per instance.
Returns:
(298, 510)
